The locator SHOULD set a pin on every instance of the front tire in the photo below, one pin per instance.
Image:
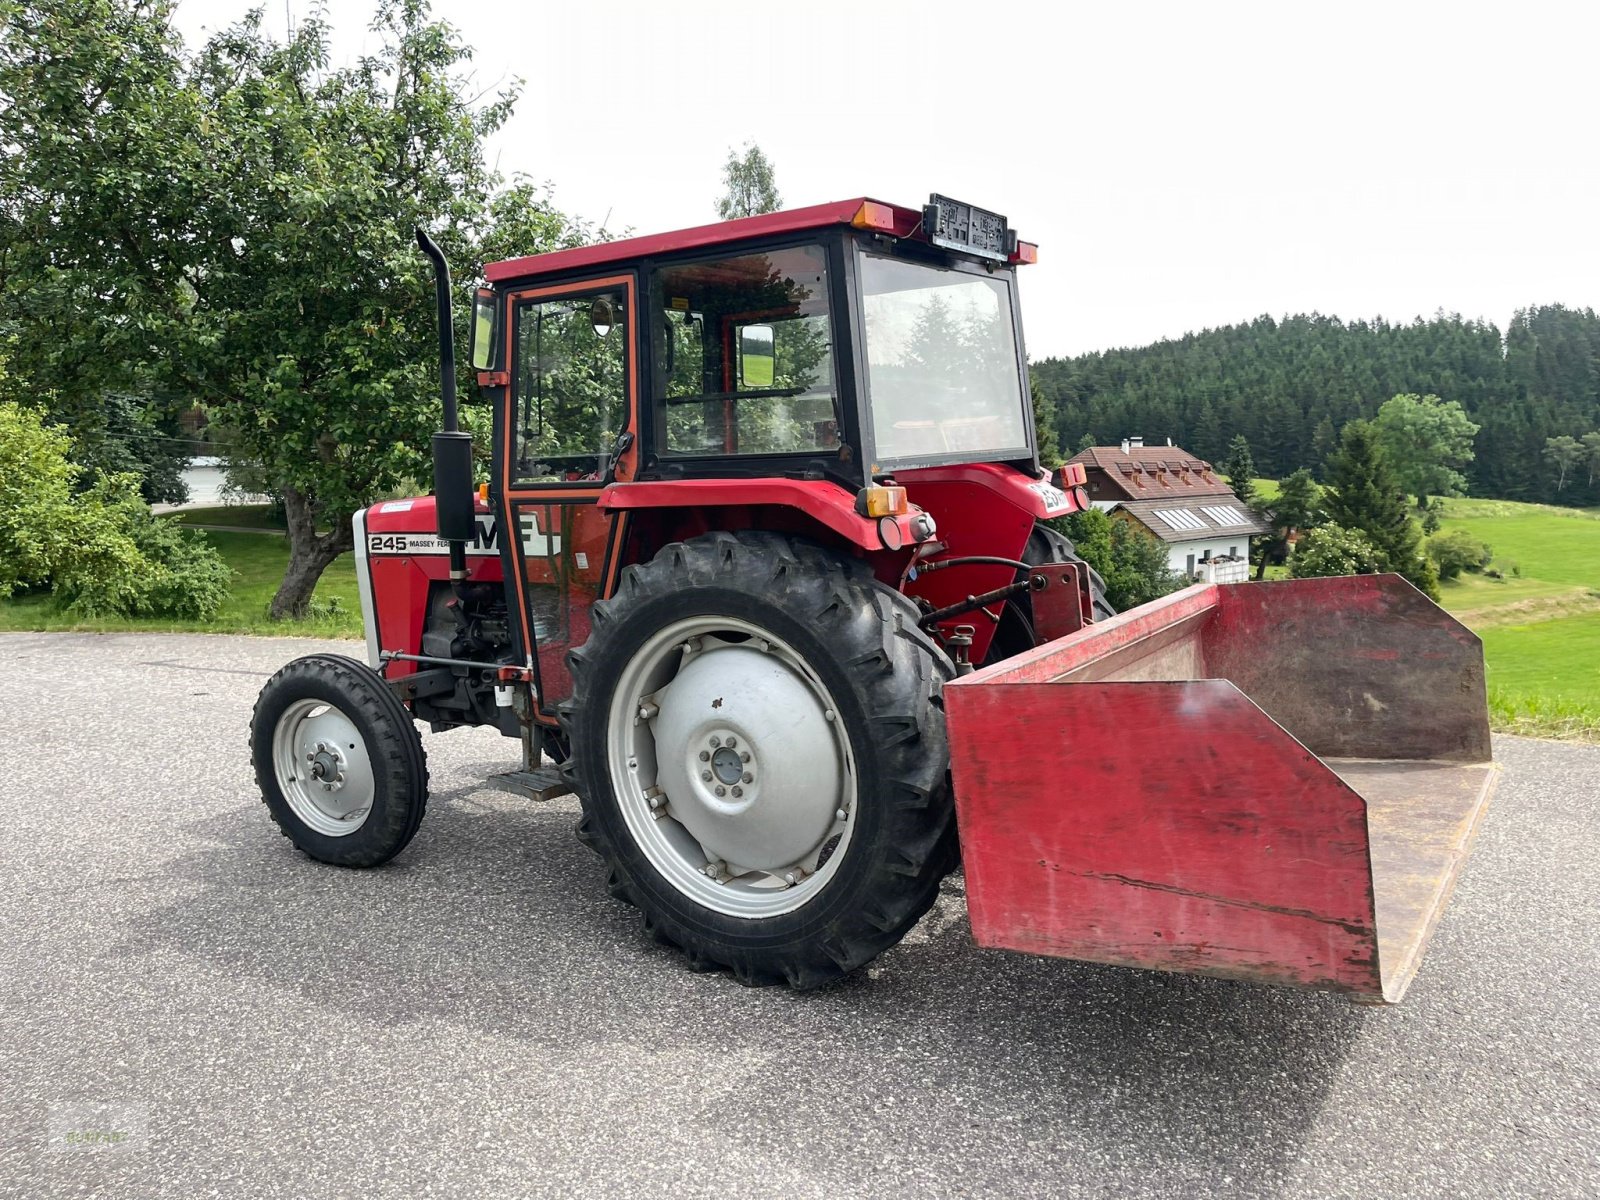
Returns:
(761, 757)
(339, 761)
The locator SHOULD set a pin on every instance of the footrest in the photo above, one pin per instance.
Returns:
(545, 783)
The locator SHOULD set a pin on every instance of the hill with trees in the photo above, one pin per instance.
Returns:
(1291, 385)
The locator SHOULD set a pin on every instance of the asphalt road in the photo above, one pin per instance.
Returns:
(480, 1019)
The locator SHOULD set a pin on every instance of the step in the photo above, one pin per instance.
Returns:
(545, 783)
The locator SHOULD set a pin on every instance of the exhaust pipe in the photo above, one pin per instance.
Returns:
(455, 516)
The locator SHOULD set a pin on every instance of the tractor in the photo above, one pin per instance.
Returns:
(764, 573)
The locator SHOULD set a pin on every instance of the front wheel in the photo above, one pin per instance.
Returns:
(338, 760)
(761, 757)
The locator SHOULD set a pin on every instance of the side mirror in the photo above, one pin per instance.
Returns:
(757, 359)
(484, 311)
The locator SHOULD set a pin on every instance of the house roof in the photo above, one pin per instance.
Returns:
(1150, 471)
(1191, 520)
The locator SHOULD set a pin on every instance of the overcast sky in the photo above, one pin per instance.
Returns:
(1180, 166)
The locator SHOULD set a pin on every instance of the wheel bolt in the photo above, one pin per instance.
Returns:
(840, 814)
(744, 756)
(737, 790)
(715, 741)
(706, 775)
(732, 741)
(721, 791)
(790, 879)
(705, 756)
(748, 777)
(829, 715)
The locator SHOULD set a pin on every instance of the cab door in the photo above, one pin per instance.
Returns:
(567, 428)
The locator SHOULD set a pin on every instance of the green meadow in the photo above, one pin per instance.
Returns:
(1540, 621)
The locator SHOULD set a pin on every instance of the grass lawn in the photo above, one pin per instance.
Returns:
(258, 561)
(1540, 623)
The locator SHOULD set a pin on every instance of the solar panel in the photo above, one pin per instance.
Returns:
(1225, 515)
(1177, 518)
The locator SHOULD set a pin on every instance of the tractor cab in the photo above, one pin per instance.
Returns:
(846, 341)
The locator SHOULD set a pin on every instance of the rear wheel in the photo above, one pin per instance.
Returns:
(338, 760)
(761, 759)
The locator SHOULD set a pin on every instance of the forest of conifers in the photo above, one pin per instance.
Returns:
(1289, 385)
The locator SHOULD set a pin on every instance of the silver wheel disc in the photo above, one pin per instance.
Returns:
(322, 767)
(731, 767)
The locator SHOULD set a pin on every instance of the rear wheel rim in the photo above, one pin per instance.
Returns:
(322, 767)
(731, 767)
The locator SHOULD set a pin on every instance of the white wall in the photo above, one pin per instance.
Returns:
(1178, 552)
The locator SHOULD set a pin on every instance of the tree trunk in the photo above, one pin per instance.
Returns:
(309, 555)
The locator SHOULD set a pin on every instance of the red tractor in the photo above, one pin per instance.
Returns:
(763, 574)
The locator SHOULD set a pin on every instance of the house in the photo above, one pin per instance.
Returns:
(1178, 499)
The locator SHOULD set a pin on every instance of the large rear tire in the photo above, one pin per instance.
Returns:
(761, 758)
(339, 761)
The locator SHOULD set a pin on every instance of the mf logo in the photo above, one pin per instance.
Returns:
(535, 542)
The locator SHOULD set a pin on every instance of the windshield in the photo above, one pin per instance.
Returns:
(942, 371)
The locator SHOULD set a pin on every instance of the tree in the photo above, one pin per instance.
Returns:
(1297, 508)
(1564, 453)
(131, 437)
(1240, 470)
(1044, 427)
(1335, 550)
(1591, 448)
(1363, 495)
(1425, 440)
(238, 227)
(749, 184)
(1458, 551)
(1132, 563)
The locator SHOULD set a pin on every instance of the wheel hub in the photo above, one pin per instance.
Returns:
(726, 766)
(769, 810)
(326, 766)
(322, 767)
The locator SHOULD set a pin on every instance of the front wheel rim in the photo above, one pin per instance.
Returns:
(731, 766)
(322, 767)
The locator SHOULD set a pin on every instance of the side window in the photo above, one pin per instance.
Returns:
(571, 386)
(744, 355)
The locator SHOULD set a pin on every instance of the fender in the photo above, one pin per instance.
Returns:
(827, 502)
(1040, 498)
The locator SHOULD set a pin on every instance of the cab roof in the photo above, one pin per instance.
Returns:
(627, 250)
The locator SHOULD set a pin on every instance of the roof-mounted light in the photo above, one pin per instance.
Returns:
(872, 215)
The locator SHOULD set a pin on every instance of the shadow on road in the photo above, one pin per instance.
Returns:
(496, 923)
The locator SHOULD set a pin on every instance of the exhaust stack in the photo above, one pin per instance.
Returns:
(452, 449)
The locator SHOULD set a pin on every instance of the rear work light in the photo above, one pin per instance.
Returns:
(1024, 254)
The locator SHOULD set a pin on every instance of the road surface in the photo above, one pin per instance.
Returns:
(480, 1019)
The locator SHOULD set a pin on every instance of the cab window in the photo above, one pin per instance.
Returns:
(571, 386)
(744, 356)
